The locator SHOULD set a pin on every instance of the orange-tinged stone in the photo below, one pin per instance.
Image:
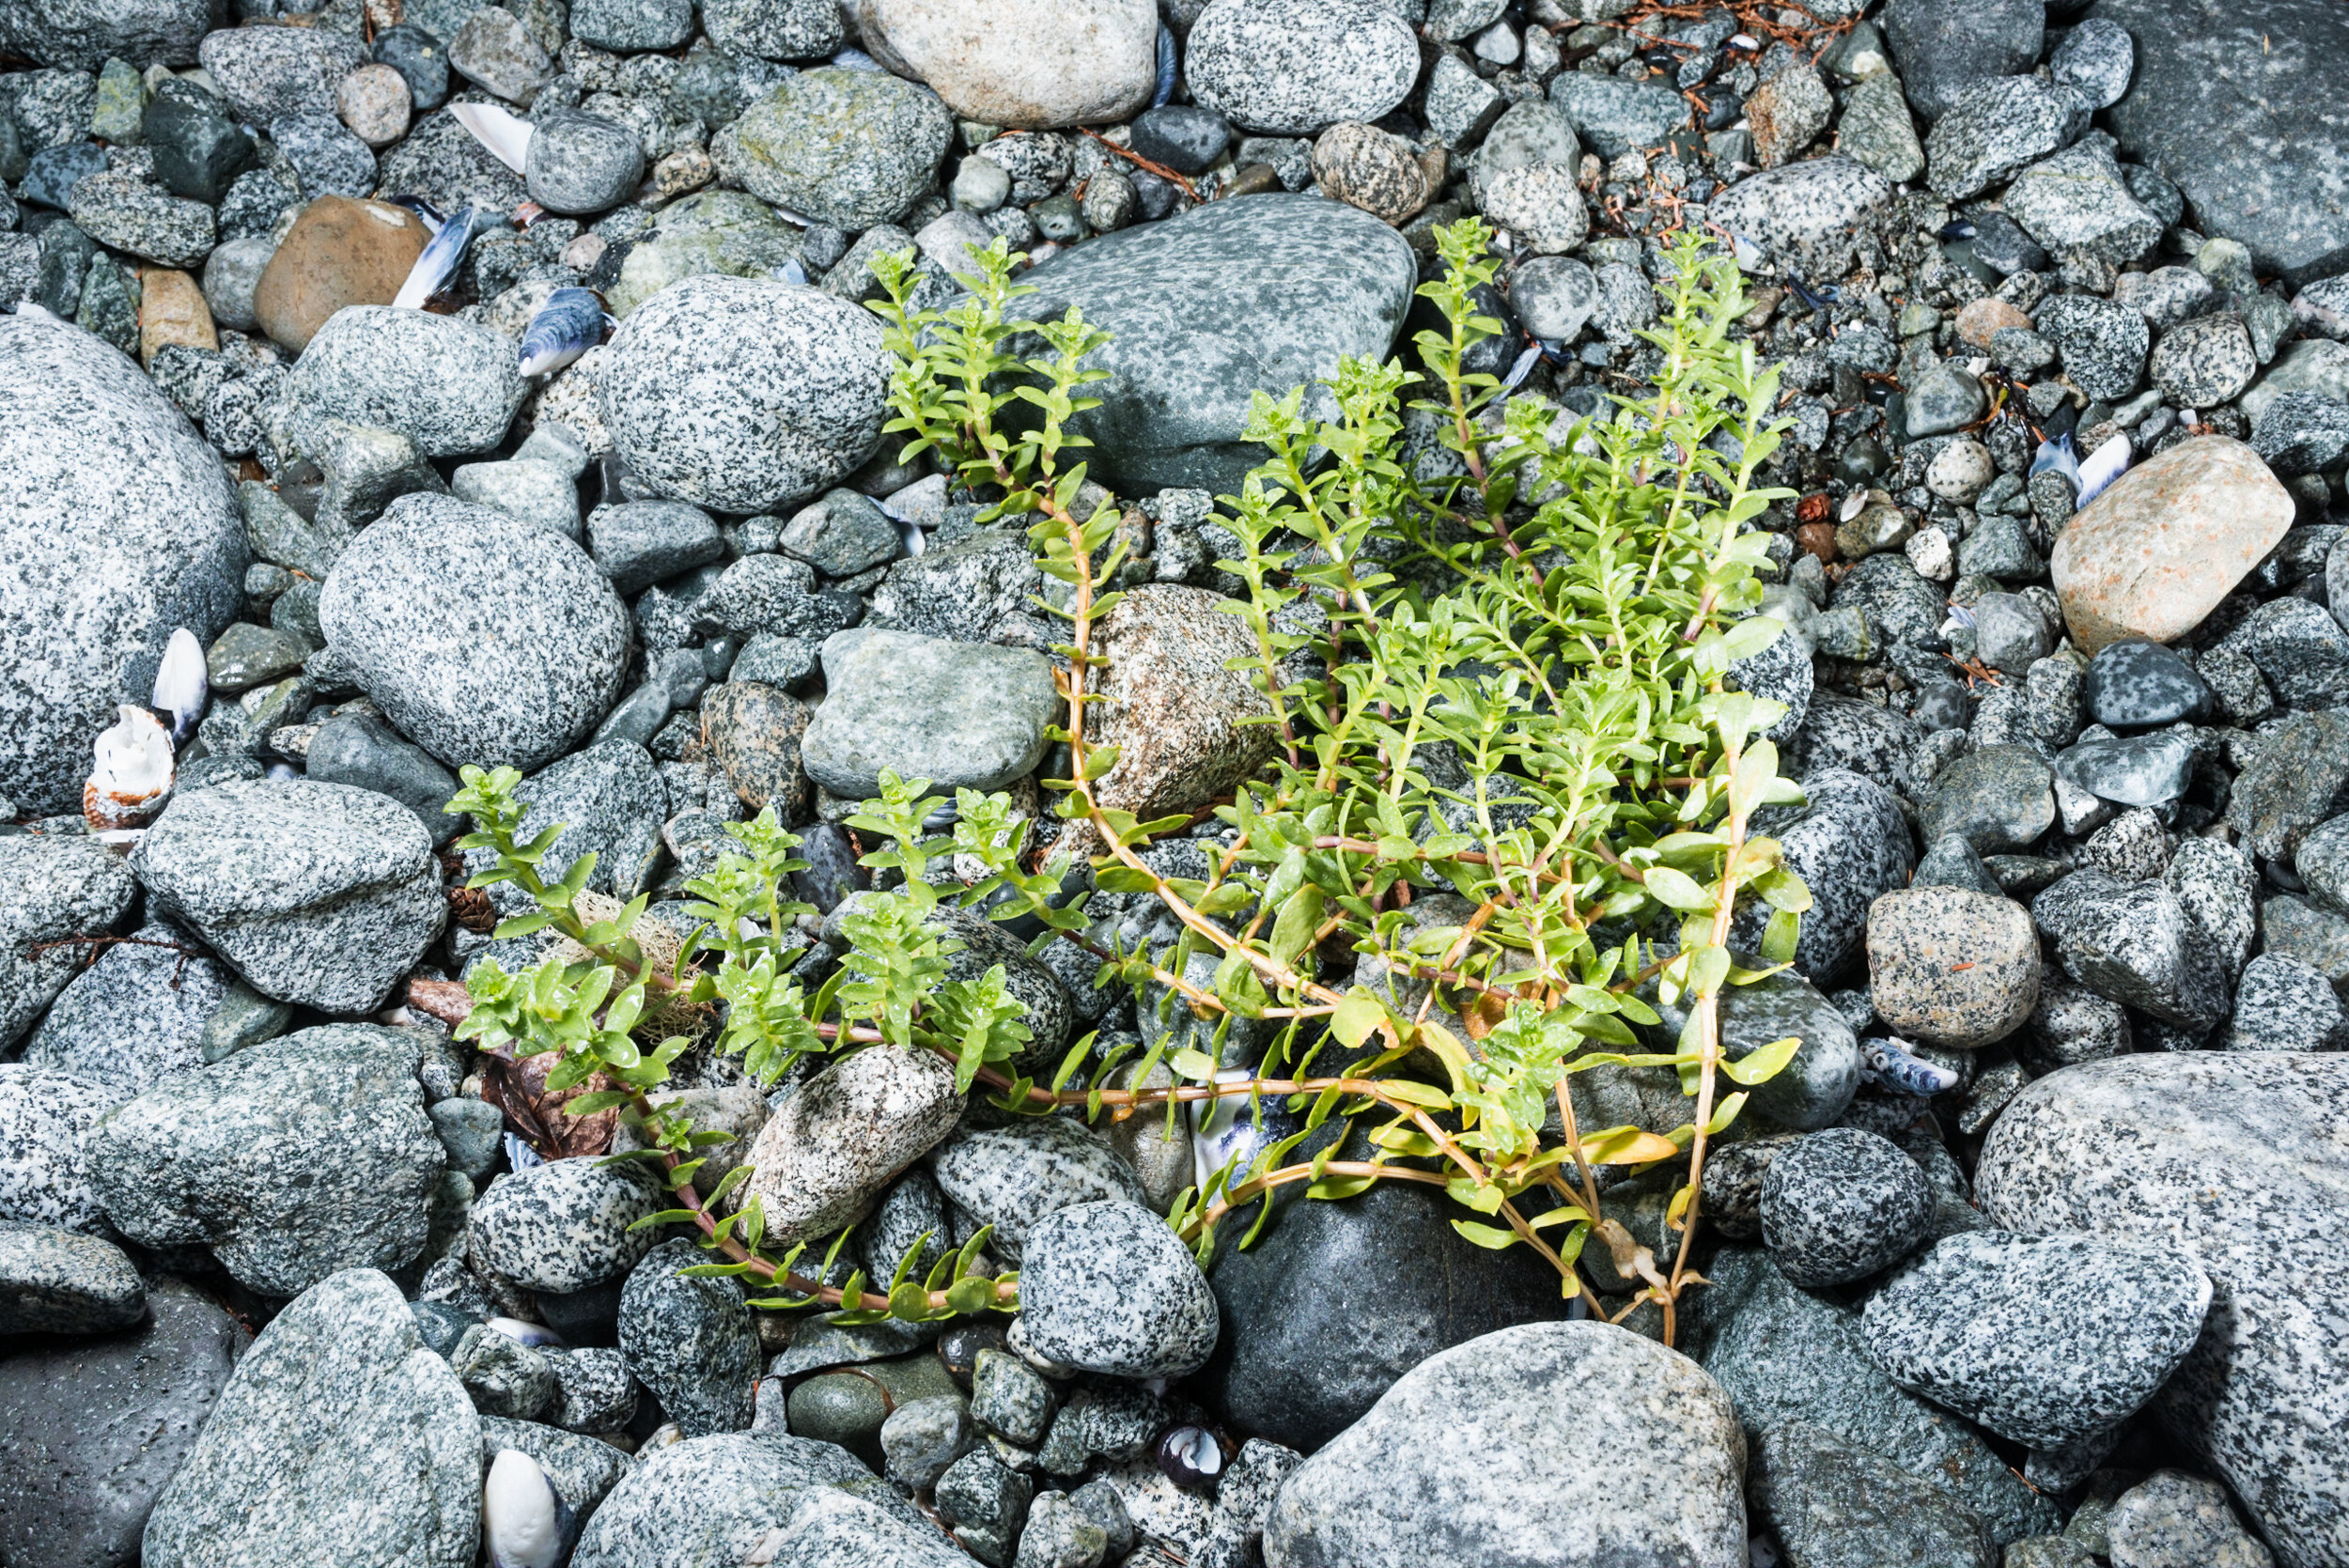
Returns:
(172, 310)
(1985, 316)
(339, 252)
(2172, 537)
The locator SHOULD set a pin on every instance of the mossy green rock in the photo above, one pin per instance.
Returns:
(716, 231)
(852, 148)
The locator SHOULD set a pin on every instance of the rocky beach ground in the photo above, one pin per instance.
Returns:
(317, 487)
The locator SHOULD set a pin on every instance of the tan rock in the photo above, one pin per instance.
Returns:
(374, 101)
(1028, 65)
(1370, 169)
(2157, 552)
(339, 252)
(1952, 967)
(172, 310)
(1985, 316)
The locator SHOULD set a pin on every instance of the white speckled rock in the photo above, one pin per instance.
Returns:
(265, 72)
(83, 35)
(46, 1118)
(341, 1439)
(744, 394)
(1028, 64)
(1107, 1287)
(484, 638)
(291, 1159)
(117, 526)
(1293, 68)
(1012, 1177)
(448, 385)
(2044, 1339)
(317, 893)
(824, 1157)
(1618, 1452)
(51, 889)
(2241, 1159)
(135, 1014)
(1802, 204)
(564, 1225)
(709, 1500)
(1843, 1204)
(57, 1282)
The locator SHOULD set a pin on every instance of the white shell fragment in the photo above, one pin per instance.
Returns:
(182, 687)
(2105, 464)
(506, 134)
(132, 781)
(520, 1516)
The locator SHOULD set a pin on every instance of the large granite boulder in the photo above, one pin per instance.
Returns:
(2241, 1161)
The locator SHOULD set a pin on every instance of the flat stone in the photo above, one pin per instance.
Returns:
(84, 36)
(1028, 66)
(639, 543)
(291, 1160)
(338, 1432)
(1996, 128)
(2078, 200)
(1291, 285)
(2156, 553)
(1970, 1326)
(2133, 684)
(1012, 1177)
(91, 1430)
(2130, 770)
(961, 715)
(2296, 783)
(2202, 1152)
(317, 894)
(1668, 1480)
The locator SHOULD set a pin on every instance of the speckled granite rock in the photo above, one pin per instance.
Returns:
(1293, 67)
(2047, 1340)
(448, 385)
(268, 71)
(1843, 1204)
(1850, 844)
(484, 638)
(58, 1282)
(690, 1341)
(1625, 1450)
(341, 1439)
(713, 1499)
(317, 893)
(1261, 295)
(1802, 204)
(1106, 1287)
(1838, 1505)
(51, 889)
(1951, 968)
(2216, 1154)
(292, 1159)
(1031, 65)
(117, 526)
(1012, 1177)
(826, 1154)
(46, 1120)
(564, 1225)
(83, 35)
(744, 394)
(852, 148)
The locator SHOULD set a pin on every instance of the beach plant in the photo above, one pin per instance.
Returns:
(1513, 780)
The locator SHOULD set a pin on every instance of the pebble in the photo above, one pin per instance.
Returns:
(690, 1341)
(848, 147)
(1951, 968)
(1841, 1205)
(1032, 65)
(1293, 68)
(823, 1158)
(963, 716)
(374, 101)
(1106, 1287)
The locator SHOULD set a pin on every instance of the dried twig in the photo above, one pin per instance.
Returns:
(1138, 160)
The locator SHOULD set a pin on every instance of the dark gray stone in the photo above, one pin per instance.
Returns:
(610, 802)
(2078, 200)
(2297, 779)
(1291, 285)
(338, 1432)
(960, 593)
(1011, 1399)
(2133, 684)
(2137, 943)
(1849, 844)
(1943, 50)
(841, 533)
(1614, 116)
(92, 1430)
(2301, 650)
(1785, 1355)
(1998, 799)
(1997, 128)
(1012, 1177)
(1667, 1488)
(1307, 1346)
(83, 35)
(198, 150)
(1813, 1089)
(1841, 1205)
(325, 156)
(503, 1375)
(1835, 1505)
(1106, 1287)
(537, 638)
(1864, 738)
(2207, 1152)
(2235, 113)
(562, 1226)
(690, 1341)
(1183, 137)
(1975, 1325)
(95, 466)
(2104, 343)
(2301, 433)
(316, 894)
(362, 751)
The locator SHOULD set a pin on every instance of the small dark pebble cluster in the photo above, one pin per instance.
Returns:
(305, 355)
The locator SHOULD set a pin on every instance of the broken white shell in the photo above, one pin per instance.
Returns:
(506, 134)
(521, 1514)
(132, 781)
(183, 686)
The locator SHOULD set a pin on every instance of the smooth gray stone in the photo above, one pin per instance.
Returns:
(56, 1281)
(961, 715)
